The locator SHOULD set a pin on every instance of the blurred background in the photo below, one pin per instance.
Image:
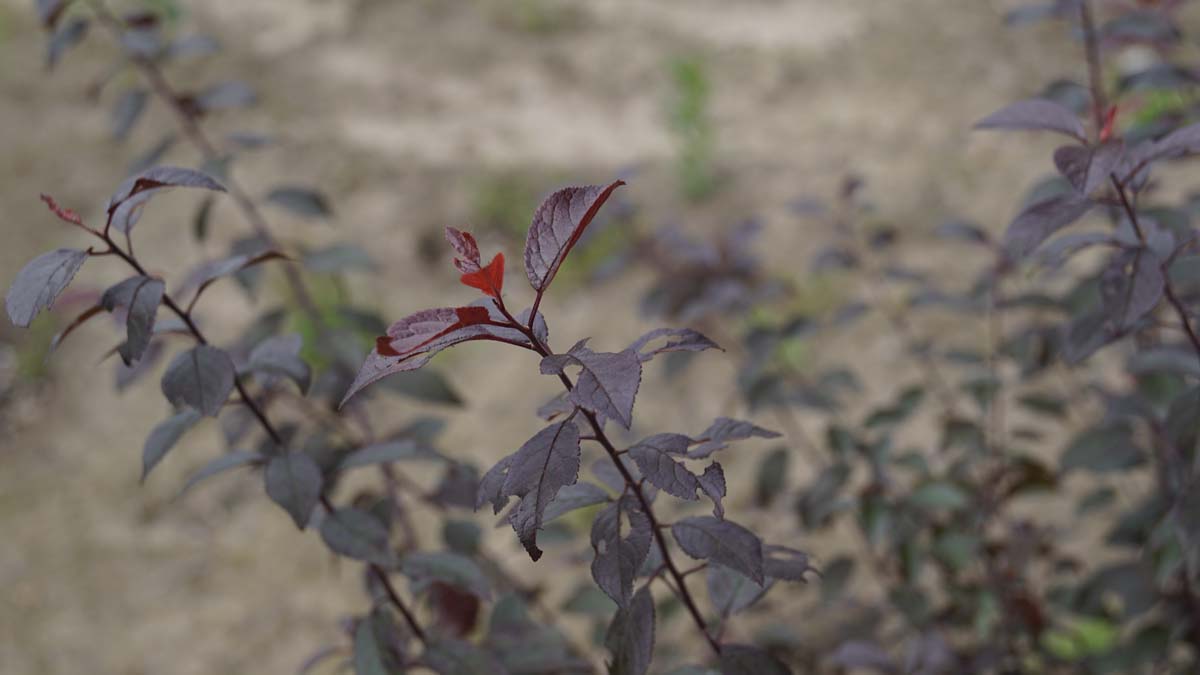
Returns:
(407, 116)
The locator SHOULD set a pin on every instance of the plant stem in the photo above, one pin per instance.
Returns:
(680, 586)
(195, 135)
(1091, 45)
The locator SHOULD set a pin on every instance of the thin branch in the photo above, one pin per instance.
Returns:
(631, 485)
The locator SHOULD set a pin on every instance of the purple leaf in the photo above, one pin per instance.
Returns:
(721, 431)
(280, 356)
(781, 562)
(653, 457)
(127, 111)
(546, 463)
(731, 592)
(1035, 114)
(722, 541)
(220, 465)
(608, 382)
(64, 39)
(125, 205)
(164, 436)
(1132, 286)
(712, 481)
(680, 340)
(141, 297)
(1040, 220)
(412, 341)
(49, 11)
(858, 654)
(40, 282)
(357, 534)
(557, 226)
(491, 486)
(200, 378)
(580, 495)
(448, 568)
(226, 95)
(294, 481)
(630, 636)
(618, 558)
(1089, 168)
(749, 660)
(301, 201)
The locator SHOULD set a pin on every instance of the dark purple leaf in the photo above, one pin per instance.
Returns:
(127, 110)
(412, 341)
(858, 654)
(125, 205)
(712, 481)
(49, 11)
(731, 592)
(608, 382)
(750, 660)
(40, 282)
(377, 645)
(545, 463)
(1132, 285)
(200, 378)
(1035, 115)
(491, 486)
(205, 274)
(1088, 168)
(963, 231)
(191, 46)
(557, 226)
(339, 258)
(457, 657)
(457, 487)
(1060, 249)
(721, 431)
(301, 201)
(449, 568)
(140, 296)
(580, 495)
(1040, 220)
(722, 541)
(220, 465)
(293, 480)
(788, 564)
(64, 38)
(387, 452)
(618, 558)
(653, 457)
(280, 356)
(357, 534)
(630, 636)
(164, 436)
(679, 340)
(226, 95)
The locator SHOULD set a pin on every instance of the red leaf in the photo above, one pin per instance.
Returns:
(65, 214)
(488, 279)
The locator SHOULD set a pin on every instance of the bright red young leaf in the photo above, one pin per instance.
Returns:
(488, 279)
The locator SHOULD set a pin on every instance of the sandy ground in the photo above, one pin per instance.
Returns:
(398, 110)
